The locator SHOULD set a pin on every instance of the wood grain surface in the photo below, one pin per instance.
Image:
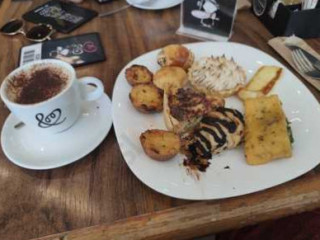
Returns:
(100, 189)
(4, 5)
(205, 217)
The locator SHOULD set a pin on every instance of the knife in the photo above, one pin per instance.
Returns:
(314, 61)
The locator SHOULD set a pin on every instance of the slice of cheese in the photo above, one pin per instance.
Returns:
(261, 83)
(264, 79)
(266, 136)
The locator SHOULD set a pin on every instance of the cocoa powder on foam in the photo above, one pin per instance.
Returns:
(37, 84)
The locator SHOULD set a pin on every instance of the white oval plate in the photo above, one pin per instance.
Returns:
(31, 150)
(156, 4)
(172, 179)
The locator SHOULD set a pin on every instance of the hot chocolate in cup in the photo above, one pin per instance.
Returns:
(47, 96)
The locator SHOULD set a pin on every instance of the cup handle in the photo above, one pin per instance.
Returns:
(94, 94)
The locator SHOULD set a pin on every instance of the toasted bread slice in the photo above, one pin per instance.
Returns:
(266, 134)
(261, 83)
(159, 144)
(146, 98)
(264, 79)
(244, 94)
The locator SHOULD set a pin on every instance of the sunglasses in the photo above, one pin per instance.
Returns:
(38, 33)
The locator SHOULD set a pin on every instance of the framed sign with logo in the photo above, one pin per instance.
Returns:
(208, 19)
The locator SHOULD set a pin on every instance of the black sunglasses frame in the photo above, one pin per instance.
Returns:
(21, 30)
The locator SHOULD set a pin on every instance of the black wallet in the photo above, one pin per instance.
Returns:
(64, 17)
(77, 50)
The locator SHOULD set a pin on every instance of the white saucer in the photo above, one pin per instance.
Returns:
(28, 149)
(156, 4)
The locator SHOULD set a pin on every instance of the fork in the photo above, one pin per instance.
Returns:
(303, 64)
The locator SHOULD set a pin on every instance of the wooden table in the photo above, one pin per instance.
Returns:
(100, 189)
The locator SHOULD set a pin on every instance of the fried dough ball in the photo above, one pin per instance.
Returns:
(146, 98)
(175, 55)
(170, 77)
(137, 74)
(160, 145)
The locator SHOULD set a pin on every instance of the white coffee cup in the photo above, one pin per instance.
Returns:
(59, 112)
